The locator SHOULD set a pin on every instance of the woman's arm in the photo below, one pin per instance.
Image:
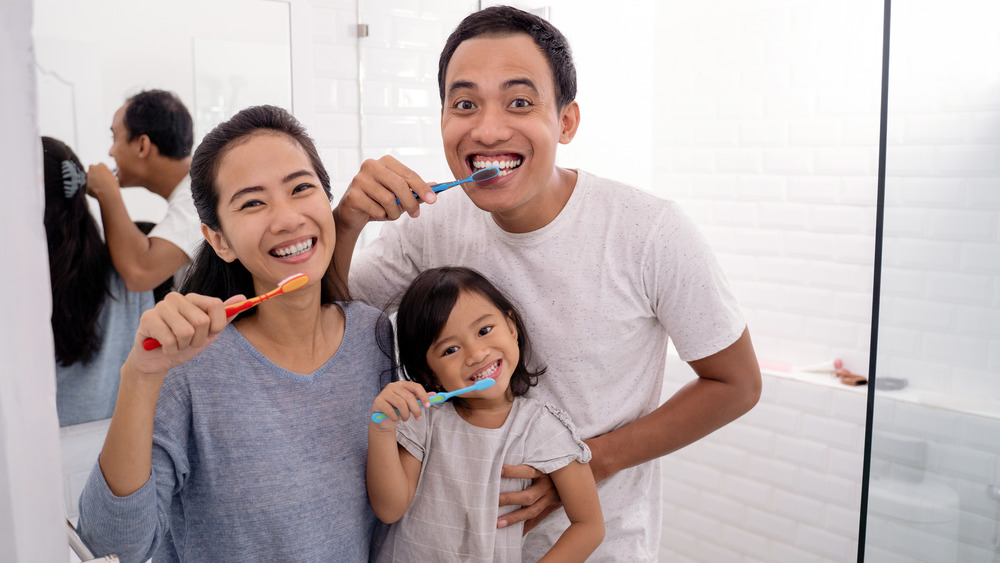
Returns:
(578, 491)
(184, 325)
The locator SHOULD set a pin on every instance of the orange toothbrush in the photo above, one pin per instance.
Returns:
(286, 285)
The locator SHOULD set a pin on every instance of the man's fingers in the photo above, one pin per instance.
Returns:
(519, 472)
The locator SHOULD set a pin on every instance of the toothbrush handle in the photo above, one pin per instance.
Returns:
(153, 344)
(435, 399)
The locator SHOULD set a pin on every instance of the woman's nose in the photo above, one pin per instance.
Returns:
(286, 216)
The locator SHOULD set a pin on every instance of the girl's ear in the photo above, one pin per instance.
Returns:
(511, 324)
(219, 243)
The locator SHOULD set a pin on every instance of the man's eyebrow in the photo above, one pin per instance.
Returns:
(288, 178)
(507, 85)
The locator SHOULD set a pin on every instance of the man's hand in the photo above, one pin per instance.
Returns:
(538, 500)
(101, 181)
(382, 191)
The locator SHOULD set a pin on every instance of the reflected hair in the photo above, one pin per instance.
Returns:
(161, 116)
(424, 310)
(79, 262)
(504, 21)
(209, 274)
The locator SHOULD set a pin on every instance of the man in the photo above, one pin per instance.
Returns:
(604, 273)
(152, 136)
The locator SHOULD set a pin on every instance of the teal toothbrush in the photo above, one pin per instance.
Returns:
(478, 176)
(442, 397)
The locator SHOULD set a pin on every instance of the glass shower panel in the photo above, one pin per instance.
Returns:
(933, 493)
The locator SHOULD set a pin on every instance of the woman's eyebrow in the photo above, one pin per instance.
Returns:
(288, 178)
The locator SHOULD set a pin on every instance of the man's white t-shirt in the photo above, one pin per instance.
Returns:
(601, 288)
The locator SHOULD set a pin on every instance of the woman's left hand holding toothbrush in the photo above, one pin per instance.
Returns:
(185, 325)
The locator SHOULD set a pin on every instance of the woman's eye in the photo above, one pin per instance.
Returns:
(250, 203)
(485, 330)
(449, 350)
(520, 103)
(302, 187)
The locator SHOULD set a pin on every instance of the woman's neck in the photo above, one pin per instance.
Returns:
(295, 331)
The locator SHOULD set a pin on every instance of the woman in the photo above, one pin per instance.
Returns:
(246, 441)
(94, 317)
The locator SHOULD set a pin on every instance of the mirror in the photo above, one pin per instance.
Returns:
(218, 56)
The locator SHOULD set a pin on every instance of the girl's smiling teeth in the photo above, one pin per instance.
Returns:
(487, 372)
(293, 249)
(506, 163)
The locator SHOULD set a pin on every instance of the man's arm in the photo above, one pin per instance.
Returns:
(382, 191)
(728, 385)
(141, 261)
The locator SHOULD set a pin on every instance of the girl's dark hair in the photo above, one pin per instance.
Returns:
(79, 263)
(209, 274)
(424, 309)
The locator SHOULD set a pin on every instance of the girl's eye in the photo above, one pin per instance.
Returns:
(465, 105)
(485, 330)
(520, 103)
(449, 350)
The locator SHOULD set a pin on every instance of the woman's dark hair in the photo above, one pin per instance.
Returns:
(424, 310)
(503, 21)
(79, 263)
(161, 116)
(209, 274)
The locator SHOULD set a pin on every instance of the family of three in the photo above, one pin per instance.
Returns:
(251, 438)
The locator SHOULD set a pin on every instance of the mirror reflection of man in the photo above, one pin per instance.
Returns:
(152, 137)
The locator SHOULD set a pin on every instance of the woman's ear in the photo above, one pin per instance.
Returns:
(219, 243)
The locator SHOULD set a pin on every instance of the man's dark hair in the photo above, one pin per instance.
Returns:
(161, 116)
(502, 21)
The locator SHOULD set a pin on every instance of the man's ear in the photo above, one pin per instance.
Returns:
(145, 146)
(219, 243)
(569, 121)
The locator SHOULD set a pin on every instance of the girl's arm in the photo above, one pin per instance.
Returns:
(578, 491)
(392, 472)
(185, 325)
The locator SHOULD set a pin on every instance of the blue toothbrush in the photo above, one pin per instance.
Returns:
(442, 397)
(478, 176)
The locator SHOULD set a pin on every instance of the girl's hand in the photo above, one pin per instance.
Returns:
(398, 401)
(184, 325)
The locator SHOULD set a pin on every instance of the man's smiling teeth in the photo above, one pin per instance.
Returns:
(488, 372)
(294, 250)
(505, 166)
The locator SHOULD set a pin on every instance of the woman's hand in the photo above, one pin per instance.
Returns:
(184, 325)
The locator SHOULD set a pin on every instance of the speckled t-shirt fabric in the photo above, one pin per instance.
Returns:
(602, 288)
(453, 516)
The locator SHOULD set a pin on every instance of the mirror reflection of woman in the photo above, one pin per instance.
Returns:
(246, 441)
(94, 317)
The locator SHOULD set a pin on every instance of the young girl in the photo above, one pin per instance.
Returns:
(219, 446)
(440, 485)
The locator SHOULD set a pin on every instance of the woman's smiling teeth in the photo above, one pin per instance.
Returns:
(505, 164)
(488, 372)
(294, 249)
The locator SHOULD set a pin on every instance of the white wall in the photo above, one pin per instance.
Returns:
(31, 525)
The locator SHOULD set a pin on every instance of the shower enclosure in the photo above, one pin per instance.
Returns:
(934, 422)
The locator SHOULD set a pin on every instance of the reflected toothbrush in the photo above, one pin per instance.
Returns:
(477, 176)
(287, 285)
(442, 397)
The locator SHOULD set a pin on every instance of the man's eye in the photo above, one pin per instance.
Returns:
(465, 105)
(520, 103)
